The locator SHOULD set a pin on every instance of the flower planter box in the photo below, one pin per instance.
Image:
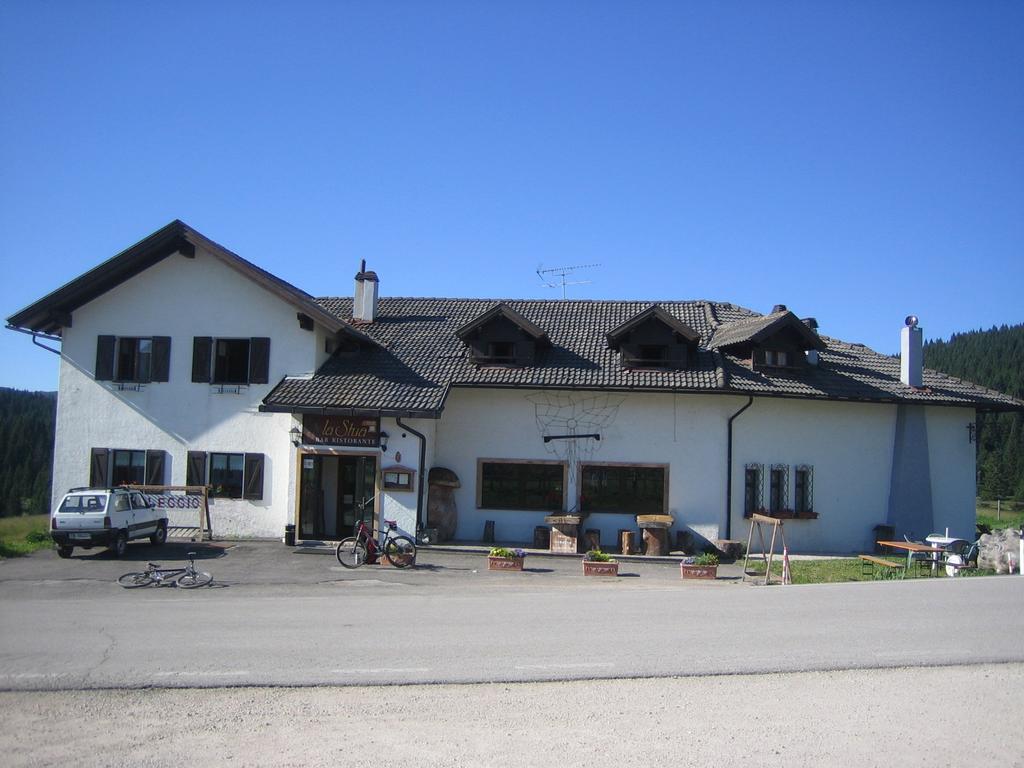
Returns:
(504, 563)
(594, 568)
(698, 571)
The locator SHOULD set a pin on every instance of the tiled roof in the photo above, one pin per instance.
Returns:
(674, 324)
(758, 327)
(419, 357)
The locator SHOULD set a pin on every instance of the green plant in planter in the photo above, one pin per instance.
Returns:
(597, 556)
(508, 554)
(708, 558)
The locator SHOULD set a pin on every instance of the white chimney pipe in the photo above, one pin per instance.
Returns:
(911, 353)
(364, 303)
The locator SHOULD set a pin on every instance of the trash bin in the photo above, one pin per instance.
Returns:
(883, 533)
(289, 535)
(541, 537)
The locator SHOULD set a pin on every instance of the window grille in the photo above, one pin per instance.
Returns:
(753, 500)
(803, 481)
(779, 491)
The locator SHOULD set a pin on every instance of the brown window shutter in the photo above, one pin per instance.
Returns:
(98, 467)
(195, 469)
(105, 358)
(259, 360)
(161, 358)
(202, 353)
(156, 461)
(253, 476)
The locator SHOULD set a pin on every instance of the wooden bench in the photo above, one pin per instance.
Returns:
(873, 562)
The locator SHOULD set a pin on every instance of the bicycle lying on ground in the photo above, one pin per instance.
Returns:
(186, 578)
(360, 549)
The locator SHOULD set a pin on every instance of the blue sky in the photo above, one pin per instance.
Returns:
(855, 161)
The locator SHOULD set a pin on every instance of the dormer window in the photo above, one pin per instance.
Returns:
(777, 343)
(646, 356)
(499, 352)
(502, 337)
(654, 339)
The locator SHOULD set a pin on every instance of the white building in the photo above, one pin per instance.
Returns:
(182, 363)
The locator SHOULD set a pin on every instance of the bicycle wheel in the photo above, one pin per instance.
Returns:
(133, 580)
(400, 551)
(194, 579)
(351, 552)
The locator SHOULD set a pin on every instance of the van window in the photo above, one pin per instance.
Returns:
(121, 503)
(86, 503)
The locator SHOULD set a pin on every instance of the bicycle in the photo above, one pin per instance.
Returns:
(186, 578)
(361, 548)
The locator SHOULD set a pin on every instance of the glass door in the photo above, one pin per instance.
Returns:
(311, 498)
(356, 490)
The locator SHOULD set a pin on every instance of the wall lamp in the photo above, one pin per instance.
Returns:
(384, 442)
(296, 435)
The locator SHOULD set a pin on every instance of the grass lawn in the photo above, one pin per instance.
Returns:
(21, 535)
(844, 569)
(1011, 515)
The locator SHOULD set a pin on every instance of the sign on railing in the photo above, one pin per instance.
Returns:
(186, 507)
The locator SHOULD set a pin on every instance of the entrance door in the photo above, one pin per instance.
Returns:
(334, 492)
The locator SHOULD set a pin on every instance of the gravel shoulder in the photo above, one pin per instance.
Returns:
(906, 717)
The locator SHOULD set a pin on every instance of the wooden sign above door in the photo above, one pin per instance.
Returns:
(350, 431)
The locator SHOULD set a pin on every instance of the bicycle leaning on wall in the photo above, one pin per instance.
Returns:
(361, 548)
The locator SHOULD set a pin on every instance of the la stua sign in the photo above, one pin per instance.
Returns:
(345, 431)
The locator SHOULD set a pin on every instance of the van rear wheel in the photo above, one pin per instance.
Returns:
(120, 546)
(64, 552)
(159, 537)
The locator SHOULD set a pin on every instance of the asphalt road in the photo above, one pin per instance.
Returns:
(279, 618)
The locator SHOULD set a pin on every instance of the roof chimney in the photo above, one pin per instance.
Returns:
(779, 308)
(911, 353)
(364, 304)
(811, 323)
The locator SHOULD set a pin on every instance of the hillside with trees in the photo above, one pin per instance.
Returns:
(994, 359)
(26, 451)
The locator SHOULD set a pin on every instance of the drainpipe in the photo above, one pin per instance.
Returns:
(728, 469)
(422, 472)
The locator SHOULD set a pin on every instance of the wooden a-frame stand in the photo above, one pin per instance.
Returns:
(757, 521)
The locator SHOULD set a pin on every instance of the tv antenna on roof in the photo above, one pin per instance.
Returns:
(561, 273)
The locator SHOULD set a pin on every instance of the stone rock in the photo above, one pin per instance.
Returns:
(442, 513)
(443, 476)
(994, 547)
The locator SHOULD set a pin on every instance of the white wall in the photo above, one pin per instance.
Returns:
(953, 470)
(401, 505)
(849, 445)
(687, 432)
(182, 298)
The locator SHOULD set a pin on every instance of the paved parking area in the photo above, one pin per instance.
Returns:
(241, 564)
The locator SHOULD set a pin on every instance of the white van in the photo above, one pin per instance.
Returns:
(105, 517)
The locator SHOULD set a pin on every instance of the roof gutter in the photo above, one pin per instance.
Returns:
(423, 470)
(728, 469)
(36, 336)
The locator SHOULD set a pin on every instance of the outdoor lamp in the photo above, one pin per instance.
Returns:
(296, 435)
(384, 442)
